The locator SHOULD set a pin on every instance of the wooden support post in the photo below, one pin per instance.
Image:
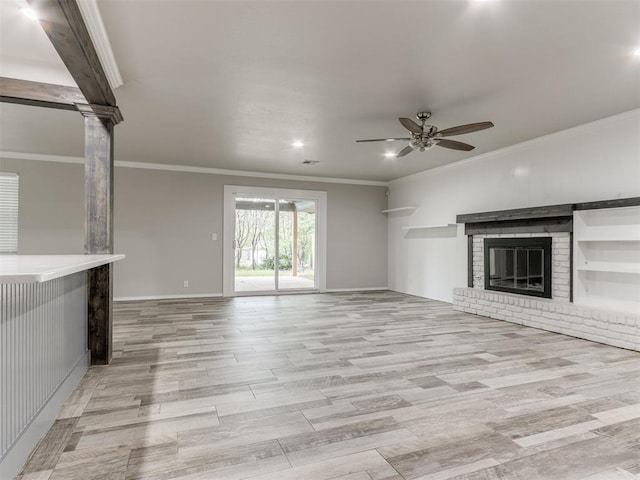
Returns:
(100, 313)
(63, 23)
(99, 123)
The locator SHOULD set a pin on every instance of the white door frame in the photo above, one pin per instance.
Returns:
(229, 227)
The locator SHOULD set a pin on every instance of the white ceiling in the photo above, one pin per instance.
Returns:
(231, 84)
(25, 50)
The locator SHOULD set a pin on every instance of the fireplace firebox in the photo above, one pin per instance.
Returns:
(518, 265)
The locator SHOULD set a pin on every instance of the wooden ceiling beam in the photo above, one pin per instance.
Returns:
(63, 24)
(25, 92)
(94, 99)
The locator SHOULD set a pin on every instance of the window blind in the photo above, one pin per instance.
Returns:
(8, 212)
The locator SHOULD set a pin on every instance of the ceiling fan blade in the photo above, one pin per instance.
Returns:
(460, 129)
(383, 140)
(405, 151)
(410, 125)
(455, 145)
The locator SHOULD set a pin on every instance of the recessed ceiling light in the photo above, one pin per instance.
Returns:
(30, 13)
(636, 52)
(389, 154)
(297, 144)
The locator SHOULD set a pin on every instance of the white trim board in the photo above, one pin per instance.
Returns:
(219, 295)
(168, 297)
(269, 293)
(93, 20)
(365, 289)
(43, 157)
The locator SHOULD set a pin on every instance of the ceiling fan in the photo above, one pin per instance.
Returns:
(424, 136)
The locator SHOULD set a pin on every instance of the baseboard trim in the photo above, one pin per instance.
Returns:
(167, 297)
(220, 295)
(366, 289)
(19, 453)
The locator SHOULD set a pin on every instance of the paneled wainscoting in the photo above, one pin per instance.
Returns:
(43, 356)
(370, 386)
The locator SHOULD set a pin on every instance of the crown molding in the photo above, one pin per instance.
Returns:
(97, 32)
(42, 157)
(242, 173)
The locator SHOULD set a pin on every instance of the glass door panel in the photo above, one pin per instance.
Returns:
(296, 244)
(254, 245)
(274, 240)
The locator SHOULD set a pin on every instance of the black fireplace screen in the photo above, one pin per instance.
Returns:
(518, 265)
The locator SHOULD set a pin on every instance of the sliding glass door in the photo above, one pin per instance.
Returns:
(274, 240)
(254, 244)
(296, 244)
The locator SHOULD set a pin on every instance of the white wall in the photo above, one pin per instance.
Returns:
(164, 221)
(596, 161)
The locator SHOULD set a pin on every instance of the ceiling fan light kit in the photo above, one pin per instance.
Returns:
(424, 136)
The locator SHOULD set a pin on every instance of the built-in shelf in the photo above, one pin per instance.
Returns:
(606, 258)
(398, 209)
(614, 267)
(429, 227)
(601, 230)
(610, 239)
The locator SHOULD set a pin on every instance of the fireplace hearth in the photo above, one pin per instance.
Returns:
(518, 265)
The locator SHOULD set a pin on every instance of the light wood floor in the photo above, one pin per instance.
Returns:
(375, 386)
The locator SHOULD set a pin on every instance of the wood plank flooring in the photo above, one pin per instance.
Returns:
(369, 386)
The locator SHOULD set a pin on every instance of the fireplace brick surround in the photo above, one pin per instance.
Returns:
(558, 314)
(560, 261)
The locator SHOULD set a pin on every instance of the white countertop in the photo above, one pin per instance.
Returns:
(40, 268)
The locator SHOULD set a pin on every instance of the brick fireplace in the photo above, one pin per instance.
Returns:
(556, 313)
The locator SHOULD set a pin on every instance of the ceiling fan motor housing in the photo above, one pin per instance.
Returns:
(427, 138)
(423, 144)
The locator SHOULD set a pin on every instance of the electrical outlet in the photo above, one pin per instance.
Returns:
(185, 284)
(214, 236)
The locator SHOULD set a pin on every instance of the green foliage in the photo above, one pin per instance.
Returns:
(284, 263)
(255, 239)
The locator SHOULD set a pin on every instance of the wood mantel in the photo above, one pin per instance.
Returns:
(545, 219)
